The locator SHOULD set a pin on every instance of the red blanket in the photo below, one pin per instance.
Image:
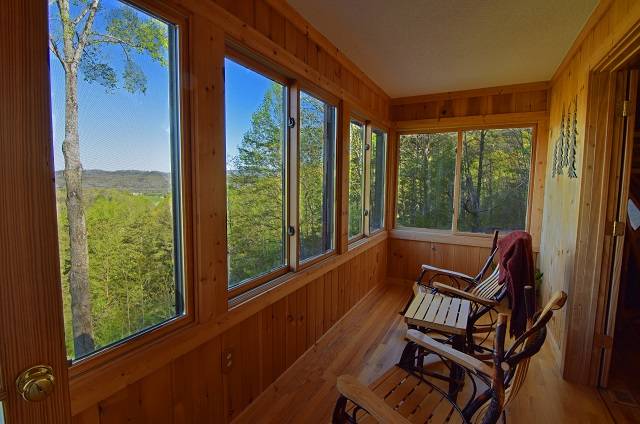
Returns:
(517, 270)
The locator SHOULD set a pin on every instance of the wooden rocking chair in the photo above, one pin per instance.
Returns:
(458, 277)
(405, 395)
(484, 296)
(484, 293)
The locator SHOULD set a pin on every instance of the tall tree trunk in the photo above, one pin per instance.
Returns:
(476, 214)
(83, 342)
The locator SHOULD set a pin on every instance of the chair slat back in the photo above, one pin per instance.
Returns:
(489, 287)
(489, 261)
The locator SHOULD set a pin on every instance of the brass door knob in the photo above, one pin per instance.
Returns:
(36, 383)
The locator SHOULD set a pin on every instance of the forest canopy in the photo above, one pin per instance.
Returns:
(494, 180)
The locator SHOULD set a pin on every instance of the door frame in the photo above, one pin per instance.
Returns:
(626, 91)
(588, 327)
(31, 318)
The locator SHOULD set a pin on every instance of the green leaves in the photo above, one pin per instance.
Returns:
(79, 41)
(134, 34)
(93, 70)
(134, 78)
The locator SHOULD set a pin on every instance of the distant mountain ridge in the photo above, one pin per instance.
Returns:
(146, 182)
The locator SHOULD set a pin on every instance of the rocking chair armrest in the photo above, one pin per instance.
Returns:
(464, 295)
(446, 351)
(449, 273)
(366, 399)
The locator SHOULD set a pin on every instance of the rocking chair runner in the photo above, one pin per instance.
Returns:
(404, 395)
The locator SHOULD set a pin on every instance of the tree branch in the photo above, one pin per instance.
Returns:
(81, 15)
(86, 31)
(54, 48)
(110, 39)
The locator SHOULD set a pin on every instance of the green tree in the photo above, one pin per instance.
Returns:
(495, 179)
(315, 177)
(356, 178)
(79, 45)
(255, 193)
(426, 173)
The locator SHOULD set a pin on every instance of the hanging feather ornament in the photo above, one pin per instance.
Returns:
(567, 138)
(554, 165)
(574, 141)
(561, 143)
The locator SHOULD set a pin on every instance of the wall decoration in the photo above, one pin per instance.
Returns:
(561, 146)
(574, 141)
(567, 137)
(564, 149)
(554, 165)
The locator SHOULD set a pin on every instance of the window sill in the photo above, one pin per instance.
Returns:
(445, 237)
(291, 281)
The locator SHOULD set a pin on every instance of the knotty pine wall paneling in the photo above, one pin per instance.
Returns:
(566, 261)
(512, 99)
(202, 386)
(211, 369)
(520, 104)
(406, 257)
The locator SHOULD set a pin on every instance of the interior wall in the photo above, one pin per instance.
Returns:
(212, 368)
(406, 257)
(203, 385)
(520, 98)
(307, 50)
(609, 23)
(499, 106)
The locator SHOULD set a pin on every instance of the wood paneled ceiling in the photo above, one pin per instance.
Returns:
(430, 46)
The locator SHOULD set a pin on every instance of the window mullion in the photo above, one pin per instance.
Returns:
(456, 184)
(366, 186)
(293, 168)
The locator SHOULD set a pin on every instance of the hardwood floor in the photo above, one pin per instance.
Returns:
(369, 340)
(623, 392)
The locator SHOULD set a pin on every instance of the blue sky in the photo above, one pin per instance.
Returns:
(120, 130)
(244, 92)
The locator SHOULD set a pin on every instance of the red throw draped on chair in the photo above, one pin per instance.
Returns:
(517, 270)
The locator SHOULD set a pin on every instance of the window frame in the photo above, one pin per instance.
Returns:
(293, 87)
(181, 121)
(369, 126)
(354, 118)
(385, 180)
(460, 129)
(326, 97)
(267, 72)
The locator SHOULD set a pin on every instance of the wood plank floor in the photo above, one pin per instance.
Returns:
(369, 340)
(623, 393)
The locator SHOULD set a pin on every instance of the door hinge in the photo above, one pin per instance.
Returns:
(616, 229)
(603, 341)
(625, 108)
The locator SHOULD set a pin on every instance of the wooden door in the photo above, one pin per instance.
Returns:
(623, 128)
(31, 321)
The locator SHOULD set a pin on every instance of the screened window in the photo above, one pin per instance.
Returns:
(316, 196)
(377, 171)
(492, 184)
(255, 140)
(494, 179)
(426, 173)
(356, 178)
(117, 171)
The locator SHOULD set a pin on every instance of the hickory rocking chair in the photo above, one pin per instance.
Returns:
(404, 394)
